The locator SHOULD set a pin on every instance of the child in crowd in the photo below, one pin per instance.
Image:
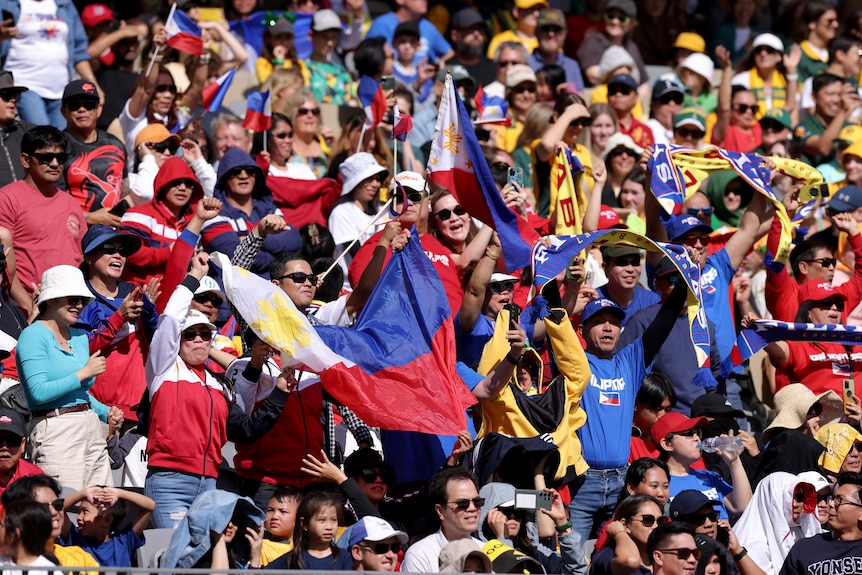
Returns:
(550, 82)
(405, 42)
(280, 519)
(26, 528)
(695, 74)
(101, 511)
(316, 526)
(278, 50)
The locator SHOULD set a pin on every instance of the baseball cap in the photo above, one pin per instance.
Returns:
(714, 405)
(620, 251)
(498, 277)
(325, 20)
(466, 18)
(94, 14)
(688, 501)
(411, 180)
(665, 267)
(627, 6)
(506, 559)
(193, 318)
(82, 88)
(518, 74)
(155, 134)
(459, 74)
(846, 199)
(281, 26)
(374, 529)
(684, 224)
(599, 305)
(608, 218)
(209, 285)
(818, 291)
(13, 422)
(690, 117)
(625, 80)
(98, 234)
(770, 40)
(690, 41)
(675, 422)
(410, 27)
(524, 4)
(779, 115)
(551, 17)
(665, 87)
(849, 134)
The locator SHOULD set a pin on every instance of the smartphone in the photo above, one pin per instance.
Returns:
(388, 82)
(722, 535)
(514, 314)
(121, 208)
(569, 274)
(848, 394)
(532, 499)
(7, 15)
(516, 176)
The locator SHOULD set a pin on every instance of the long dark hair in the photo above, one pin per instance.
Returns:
(257, 139)
(29, 522)
(311, 505)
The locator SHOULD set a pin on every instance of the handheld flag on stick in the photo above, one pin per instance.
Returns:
(402, 123)
(258, 115)
(183, 33)
(213, 95)
(370, 94)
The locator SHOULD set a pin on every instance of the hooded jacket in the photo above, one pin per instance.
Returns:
(156, 225)
(224, 232)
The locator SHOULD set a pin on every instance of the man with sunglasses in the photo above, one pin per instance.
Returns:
(667, 98)
(46, 224)
(824, 553)
(551, 34)
(695, 510)
(375, 545)
(11, 129)
(13, 438)
(623, 97)
(96, 173)
(673, 550)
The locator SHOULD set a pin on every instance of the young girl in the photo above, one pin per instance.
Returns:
(26, 528)
(278, 50)
(550, 83)
(316, 526)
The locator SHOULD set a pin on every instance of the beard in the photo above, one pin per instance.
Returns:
(472, 51)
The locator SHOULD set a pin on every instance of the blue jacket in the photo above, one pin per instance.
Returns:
(76, 42)
(226, 231)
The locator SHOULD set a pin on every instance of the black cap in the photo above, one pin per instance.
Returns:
(83, 88)
(714, 405)
(688, 501)
(364, 458)
(13, 421)
(665, 87)
(466, 18)
(411, 28)
(665, 266)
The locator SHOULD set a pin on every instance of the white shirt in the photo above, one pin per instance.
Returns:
(424, 555)
(295, 170)
(39, 56)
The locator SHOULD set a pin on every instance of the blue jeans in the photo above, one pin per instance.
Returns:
(33, 108)
(594, 498)
(174, 492)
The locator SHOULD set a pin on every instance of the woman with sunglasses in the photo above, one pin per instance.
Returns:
(728, 195)
(311, 140)
(57, 370)
(456, 230)
(245, 198)
(769, 73)
(626, 552)
(620, 157)
(818, 25)
(737, 128)
(781, 512)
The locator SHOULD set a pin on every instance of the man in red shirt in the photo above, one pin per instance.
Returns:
(13, 438)
(623, 97)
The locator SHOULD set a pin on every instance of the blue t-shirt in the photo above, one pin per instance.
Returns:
(431, 43)
(116, 551)
(470, 345)
(715, 279)
(344, 562)
(609, 401)
(707, 482)
(642, 298)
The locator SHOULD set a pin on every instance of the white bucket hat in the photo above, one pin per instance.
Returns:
(209, 285)
(700, 64)
(620, 140)
(63, 281)
(194, 318)
(357, 168)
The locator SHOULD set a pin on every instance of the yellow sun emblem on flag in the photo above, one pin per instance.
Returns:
(281, 325)
(452, 138)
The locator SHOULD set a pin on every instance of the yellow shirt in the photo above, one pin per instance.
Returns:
(264, 68)
(507, 136)
(511, 36)
(272, 550)
(74, 556)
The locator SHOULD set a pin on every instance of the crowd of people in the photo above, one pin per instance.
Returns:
(601, 439)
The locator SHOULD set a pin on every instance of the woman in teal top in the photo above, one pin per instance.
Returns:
(56, 370)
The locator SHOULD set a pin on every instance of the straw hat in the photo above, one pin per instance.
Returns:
(793, 402)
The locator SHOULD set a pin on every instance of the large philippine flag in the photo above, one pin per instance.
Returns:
(183, 33)
(396, 368)
(458, 164)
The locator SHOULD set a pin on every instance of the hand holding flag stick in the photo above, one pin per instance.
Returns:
(353, 243)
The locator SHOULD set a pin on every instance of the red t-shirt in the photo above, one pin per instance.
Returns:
(737, 140)
(821, 366)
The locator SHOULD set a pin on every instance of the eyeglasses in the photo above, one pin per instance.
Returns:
(10, 440)
(743, 108)
(697, 212)
(47, 158)
(692, 133)
(299, 278)
(581, 123)
(58, 504)
(683, 553)
(371, 475)
(304, 111)
(166, 88)
(625, 261)
(700, 518)
(282, 135)
(445, 214)
(825, 262)
(650, 520)
(10, 95)
(191, 334)
(210, 298)
(507, 63)
(74, 300)
(693, 240)
(771, 126)
(162, 147)
(622, 18)
(672, 97)
(499, 287)
(838, 501)
(383, 548)
(237, 172)
(619, 89)
(87, 103)
(464, 504)
(550, 29)
(522, 89)
(111, 249)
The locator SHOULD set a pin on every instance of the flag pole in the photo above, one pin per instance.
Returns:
(159, 47)
(382, 211)
(361, 137)
(265, 138)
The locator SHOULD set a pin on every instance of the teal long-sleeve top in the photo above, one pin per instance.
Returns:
(48, 372)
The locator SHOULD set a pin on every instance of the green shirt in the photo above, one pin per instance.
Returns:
(331, 83)
(809, 67)
(812, 126)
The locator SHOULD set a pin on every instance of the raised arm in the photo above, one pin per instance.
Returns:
(491, 385)
(725, 95)
(474, 295)
(754, 224)
(146, 85)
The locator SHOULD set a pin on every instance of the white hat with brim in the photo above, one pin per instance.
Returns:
(700, 64)
(63, 281)
(770, 40)
(357, 168)
(194, 318)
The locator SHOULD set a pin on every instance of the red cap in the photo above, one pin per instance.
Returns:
(674, 422)
(817, 291)
(94, 14)
(608, 219)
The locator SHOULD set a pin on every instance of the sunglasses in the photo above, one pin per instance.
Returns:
(499, 287)
(10, 95)
(697, 212)
(650, 520)
(48, 158)
(581, 123)
(237, 172)
(692, 133)
(622, 18)
(619, 89)
(282, 135)
(299, 278)
(522, 89)
(625, 261)
(700, 518)
(166, 88)
(825, 262)
(464, 504)
(743, 108)
(185, 182)
(732, 190)
(191, 334)
(210, 298)
(86, 103)
(512, 513)
(383, 548)
(683, 553)
(371, 475)
(57, 504)
(692, 241)
(766, 50)
(771, 126)
(74, 300)
(688, 432)
(111, 249)
(548, 29)
(828, 303)
(507, 63)
(824, 498)
(668, 98)
(162, 147)
(10, 440)
(304, 111)
(445, 214)
(622, 151)
(413, 196)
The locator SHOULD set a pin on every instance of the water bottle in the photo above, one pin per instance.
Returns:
(713, 444)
